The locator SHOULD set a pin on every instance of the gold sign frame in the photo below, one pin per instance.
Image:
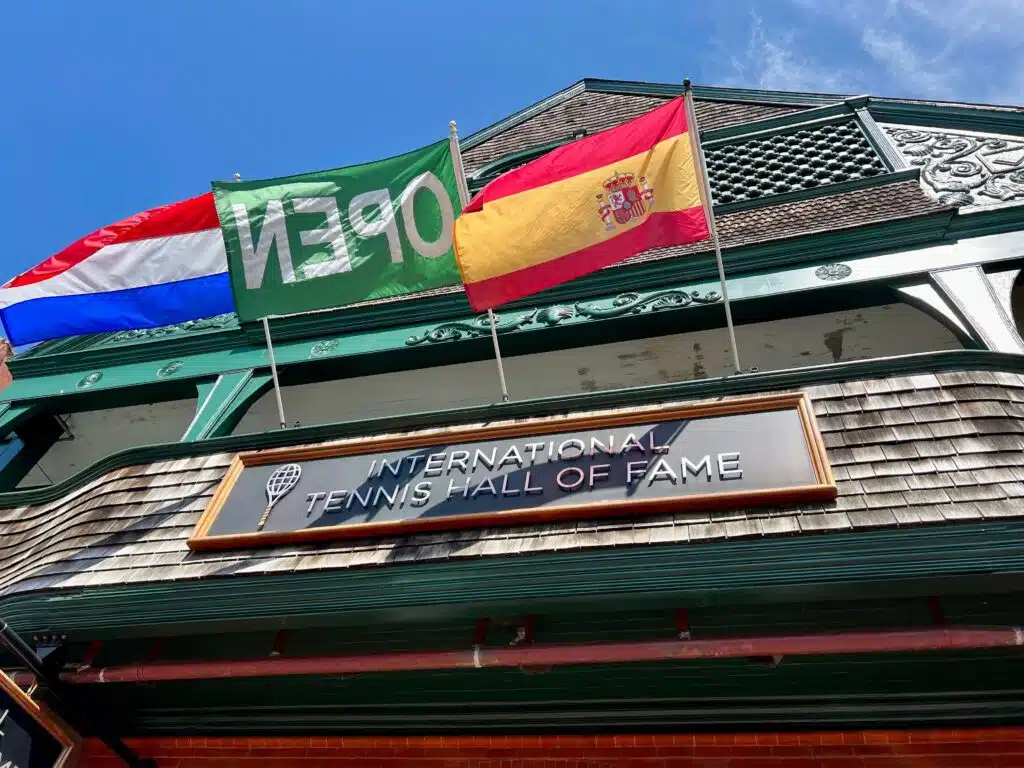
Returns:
(68, 741)
(823, 490)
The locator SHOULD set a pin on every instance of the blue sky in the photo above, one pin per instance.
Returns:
(112, 107)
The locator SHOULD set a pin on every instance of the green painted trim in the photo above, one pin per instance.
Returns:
(8, 414)
(925, 297)
(712, 93)
(495, 168)
(892, 157)
(238, 399)
(357, 344)
(777, 126)
(830, 113)
(11, 418)
(846, 565)
(51, 347)
(89, 352)
(981, 223)
(832, 189)
(479, 137)
(212, 397)
(632, 88)
(778, 98)
(975, 117)
(13, 415)
(65, 369)
(549, 406)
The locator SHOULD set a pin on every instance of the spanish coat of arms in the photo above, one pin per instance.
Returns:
(625, 199)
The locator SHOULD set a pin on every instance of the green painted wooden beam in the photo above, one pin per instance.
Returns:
(966, 117)
(30, 449)
(246, 388)
(220, 402)
(915, 561)
(11, 415)
(892, 157)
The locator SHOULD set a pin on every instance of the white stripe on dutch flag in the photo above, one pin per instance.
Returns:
(159, 267)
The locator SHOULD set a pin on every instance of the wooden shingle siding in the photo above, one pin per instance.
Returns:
(925, 449)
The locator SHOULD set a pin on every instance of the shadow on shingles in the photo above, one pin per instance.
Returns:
(131, 534)
(544, 475)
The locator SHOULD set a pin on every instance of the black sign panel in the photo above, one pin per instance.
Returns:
(655, 460)
(28, 737)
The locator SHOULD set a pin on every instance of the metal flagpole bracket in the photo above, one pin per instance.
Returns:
(705, 186)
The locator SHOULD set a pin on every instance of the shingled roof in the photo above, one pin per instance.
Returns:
(596, 111)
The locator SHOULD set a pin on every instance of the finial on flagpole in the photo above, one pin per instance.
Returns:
(687, 85)
(238, 177)
(453, 130)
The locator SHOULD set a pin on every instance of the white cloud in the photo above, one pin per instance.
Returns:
(966, 50)
(903, 61)
(771, 60)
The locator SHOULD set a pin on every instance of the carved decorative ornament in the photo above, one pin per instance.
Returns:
(964, 169)
(87, 381)
(170, 369)
(191, 326)
(621, 305)
(635, 303)
(472, 329)
(833, 272)
(323, 348)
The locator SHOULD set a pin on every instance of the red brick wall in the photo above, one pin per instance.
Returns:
(980, 748)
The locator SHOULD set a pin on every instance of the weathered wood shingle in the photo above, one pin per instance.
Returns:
(132, 525)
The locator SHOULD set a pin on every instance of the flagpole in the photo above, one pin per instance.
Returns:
(273, 372)
(270, 354)
(705, 192)
(460, 183)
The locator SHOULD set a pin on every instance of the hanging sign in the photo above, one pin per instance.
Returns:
(735, 453)
(29, 737)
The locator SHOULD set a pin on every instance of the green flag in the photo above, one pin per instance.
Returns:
(332, 238)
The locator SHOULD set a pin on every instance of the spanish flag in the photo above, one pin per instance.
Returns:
(582, 207)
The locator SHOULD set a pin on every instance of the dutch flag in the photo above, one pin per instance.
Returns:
(159, 267)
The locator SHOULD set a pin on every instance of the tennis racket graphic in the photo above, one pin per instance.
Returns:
(280, 482)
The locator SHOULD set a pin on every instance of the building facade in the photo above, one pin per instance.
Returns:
(862, 607)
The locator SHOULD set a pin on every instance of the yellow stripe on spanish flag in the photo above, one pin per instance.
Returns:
(581, 207)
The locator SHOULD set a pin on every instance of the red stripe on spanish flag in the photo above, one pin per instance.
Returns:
(582, 207)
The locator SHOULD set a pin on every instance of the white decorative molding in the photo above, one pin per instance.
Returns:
(969, 170)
